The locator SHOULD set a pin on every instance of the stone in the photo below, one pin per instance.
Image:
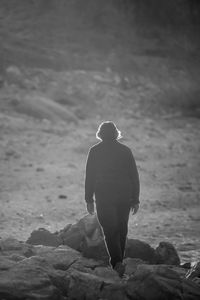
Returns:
(16, 257)
(194, 272)
(90, 225)
(60, 258)
(6, 263)
(106, 273)
(167, 254)
(186, 265)
(13, 246)
(62, 273)
(28, 279)
(83, 234)
(96, 250)
(73, 237)
(87, 265)
(151, 282)
(131, 265)
(92, 287)
(190, 290)
(156, 282)
(139, 249)
(44, 237)
(179, 270)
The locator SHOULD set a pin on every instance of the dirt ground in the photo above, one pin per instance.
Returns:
(62, 72)
(42, 175)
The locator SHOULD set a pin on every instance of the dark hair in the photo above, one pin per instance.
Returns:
(108, 131)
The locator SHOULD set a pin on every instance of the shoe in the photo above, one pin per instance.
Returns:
(120, 269)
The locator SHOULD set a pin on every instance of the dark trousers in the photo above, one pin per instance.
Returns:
(113, 207)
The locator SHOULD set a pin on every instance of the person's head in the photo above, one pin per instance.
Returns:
(108, 131)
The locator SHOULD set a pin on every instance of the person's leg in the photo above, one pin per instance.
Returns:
(123, 210)
(108, 218)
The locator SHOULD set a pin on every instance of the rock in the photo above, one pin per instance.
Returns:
(190, 290)
(62, 273)
(92, 287)
(186, 265)
(28, 279)
(139, 249)
(86, 265)
(13, 246)
(158, 282)
(194, 272)
(131, 265)
(97, 250)
(106, 273)
(167, 254)
(60, 258)
(80, 234)
(16, 257)
(179, 270)
(154, 283)
(44, 237)
(6, 263)
(62, 197)
(40, 169)
(90, 225)
(93, 245)
(73, 237)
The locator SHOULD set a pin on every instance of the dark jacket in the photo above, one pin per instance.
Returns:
(111, 162)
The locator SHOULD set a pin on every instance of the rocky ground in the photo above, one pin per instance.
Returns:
(72, 264)
(64, 69)
(46, 131)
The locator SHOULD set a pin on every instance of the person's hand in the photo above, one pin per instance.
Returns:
(90, 208)
(134, 209)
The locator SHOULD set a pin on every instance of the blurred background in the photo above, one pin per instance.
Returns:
(68, 65)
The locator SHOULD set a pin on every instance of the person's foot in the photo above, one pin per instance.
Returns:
(120, 269)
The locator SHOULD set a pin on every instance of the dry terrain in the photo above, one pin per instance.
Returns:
(53, 96)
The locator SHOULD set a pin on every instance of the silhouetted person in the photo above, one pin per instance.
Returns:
(112, 176)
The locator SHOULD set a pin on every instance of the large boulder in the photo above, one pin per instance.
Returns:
(83, 234)
(93, 287)
(28, 279)
(95, 249)
(139, 249)
(167, 254)
(156, 282)
(72, 236)
(44, 237)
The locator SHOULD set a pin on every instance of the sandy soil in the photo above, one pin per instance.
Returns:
(42, 175)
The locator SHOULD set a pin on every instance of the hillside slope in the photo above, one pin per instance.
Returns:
(106, 36)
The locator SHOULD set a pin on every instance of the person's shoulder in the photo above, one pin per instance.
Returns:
(95, 147)
(124, 147)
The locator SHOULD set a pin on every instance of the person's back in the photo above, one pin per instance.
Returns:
(111, 162)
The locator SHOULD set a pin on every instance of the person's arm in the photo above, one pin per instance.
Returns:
(134, 177)
(90, 177)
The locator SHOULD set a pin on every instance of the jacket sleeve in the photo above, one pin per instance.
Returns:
(134, 177)
(90, 177)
